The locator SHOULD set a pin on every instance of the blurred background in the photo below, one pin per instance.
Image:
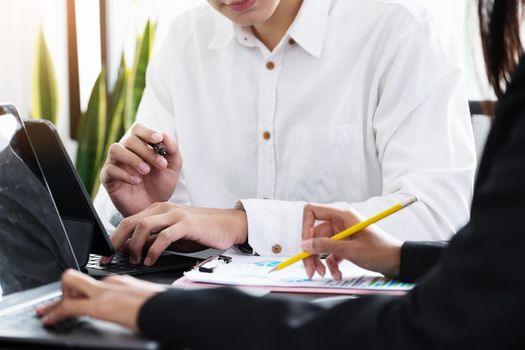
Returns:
(81, 63)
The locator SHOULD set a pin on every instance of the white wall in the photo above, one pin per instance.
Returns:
(18, 34)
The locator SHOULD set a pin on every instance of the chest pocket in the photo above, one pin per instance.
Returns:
(324, 164)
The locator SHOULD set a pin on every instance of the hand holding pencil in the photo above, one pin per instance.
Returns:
(371, 249)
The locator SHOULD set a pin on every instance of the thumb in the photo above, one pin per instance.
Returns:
(173, 157)
(323, 245)
(75, 283)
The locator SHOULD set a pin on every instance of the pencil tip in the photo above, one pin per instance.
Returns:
(272, 270)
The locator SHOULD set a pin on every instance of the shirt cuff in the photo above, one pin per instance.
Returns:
(274, 227)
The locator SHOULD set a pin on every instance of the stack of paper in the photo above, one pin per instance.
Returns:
(252, 271)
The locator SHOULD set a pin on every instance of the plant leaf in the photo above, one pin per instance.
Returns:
(92, 136)
(137, 80)
(45, 98)
(115, 121)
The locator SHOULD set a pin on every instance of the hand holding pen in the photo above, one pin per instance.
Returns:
(142, 169)
(346, 236)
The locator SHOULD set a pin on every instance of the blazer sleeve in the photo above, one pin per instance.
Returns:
(417, 258)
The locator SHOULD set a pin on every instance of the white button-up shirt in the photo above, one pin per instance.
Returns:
(362, 104)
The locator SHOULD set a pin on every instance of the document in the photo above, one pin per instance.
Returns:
(252, 271)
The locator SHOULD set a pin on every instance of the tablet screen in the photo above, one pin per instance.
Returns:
(34, 249)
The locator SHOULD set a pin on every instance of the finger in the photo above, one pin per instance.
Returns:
(79, 283)
(173, 157)
(325, 213)
(42, 310)
(149, 242)
(146, 134)
(143, 150)
(121, 234)
(126, 228)
(313, 263)
(324, 245)
(308, 222)
(335, 258)
(144, 228)
(65, 309)
(332, 261)
(123, 154)
(319, 266)
(105, 260)
(163, 241)
(310, 266)
(324, 229)
(113, 173)
(74, 284)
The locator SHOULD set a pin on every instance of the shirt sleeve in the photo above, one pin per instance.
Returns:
(424, 138)
(424, 143)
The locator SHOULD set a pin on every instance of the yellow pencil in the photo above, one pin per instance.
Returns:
(350, 231)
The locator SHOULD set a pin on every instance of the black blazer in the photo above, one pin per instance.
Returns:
(472, 298)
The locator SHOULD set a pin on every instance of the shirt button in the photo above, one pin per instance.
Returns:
(291, 41)
(267, 135)
(276, 249)
(270, 65)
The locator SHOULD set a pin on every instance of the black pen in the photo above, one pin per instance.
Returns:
(159, 148)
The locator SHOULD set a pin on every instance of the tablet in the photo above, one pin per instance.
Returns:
(86, 231)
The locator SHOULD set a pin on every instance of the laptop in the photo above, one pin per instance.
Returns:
(82, 224)
(35, 250)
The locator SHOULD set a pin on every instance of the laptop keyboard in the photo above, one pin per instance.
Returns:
(27, 316)
(121, 265)
(27, 313)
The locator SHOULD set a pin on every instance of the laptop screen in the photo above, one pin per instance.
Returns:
(34, 249)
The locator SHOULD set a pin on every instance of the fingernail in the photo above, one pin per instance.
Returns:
(307, 245)
(147, 262)
(136, 180)
(310, 274)
(162, 162)
(157, 137)
(144, 168)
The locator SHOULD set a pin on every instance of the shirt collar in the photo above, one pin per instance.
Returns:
(224, 32)
(308, 30)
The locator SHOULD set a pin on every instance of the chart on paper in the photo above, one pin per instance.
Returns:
(254, 272)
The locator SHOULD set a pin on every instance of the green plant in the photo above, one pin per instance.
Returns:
(137, 79)
(45, 99)
(92, 135)
(107, 118)
(115, 126)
